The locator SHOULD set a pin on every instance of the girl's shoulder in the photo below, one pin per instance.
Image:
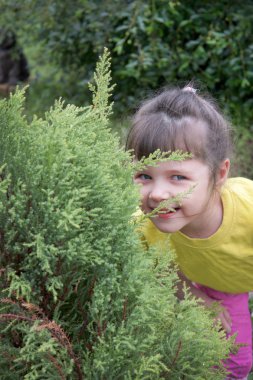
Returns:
(237, 197)
(241, 188)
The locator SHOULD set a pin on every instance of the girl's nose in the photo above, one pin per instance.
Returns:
(159, 194)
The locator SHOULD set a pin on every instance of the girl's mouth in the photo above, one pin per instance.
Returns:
(166, 214)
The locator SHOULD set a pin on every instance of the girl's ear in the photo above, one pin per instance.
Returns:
(222, 173)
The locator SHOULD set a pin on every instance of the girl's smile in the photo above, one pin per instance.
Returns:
(199, 213)
(166, 214)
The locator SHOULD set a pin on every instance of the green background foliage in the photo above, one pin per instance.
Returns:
(153, 43)
(80, 296)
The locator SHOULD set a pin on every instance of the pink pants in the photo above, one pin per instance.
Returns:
(238, 365)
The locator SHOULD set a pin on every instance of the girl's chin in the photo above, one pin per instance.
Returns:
(166, 229)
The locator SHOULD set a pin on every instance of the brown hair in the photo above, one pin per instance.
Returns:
(181, 119)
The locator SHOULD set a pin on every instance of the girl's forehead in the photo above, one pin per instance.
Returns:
(192, 165)
(185, 134)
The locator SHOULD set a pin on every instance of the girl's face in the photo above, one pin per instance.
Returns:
(195, 212)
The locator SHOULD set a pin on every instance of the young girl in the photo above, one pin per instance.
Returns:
(212, 228)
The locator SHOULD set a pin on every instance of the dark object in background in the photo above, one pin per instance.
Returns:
(13, 63)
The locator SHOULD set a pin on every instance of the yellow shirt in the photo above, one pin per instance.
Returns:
(224, 261)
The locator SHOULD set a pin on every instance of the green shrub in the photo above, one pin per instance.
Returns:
(81, 298)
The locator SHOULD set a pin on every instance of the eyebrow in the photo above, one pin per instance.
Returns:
(178, 171)
(166, 171)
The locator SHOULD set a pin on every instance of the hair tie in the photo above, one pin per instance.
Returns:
(190, 89)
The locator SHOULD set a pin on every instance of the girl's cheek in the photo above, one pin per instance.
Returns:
(142, 199)
(142, 193)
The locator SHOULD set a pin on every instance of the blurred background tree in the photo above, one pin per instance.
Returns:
(153, 43)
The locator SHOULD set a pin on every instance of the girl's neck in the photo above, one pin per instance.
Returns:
(208, 222)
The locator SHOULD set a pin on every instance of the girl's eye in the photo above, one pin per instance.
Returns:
(143, 177)
(178, 177)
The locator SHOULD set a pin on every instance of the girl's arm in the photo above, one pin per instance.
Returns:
(203, 299)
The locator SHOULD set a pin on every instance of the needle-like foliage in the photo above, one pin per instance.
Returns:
(81, 297)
